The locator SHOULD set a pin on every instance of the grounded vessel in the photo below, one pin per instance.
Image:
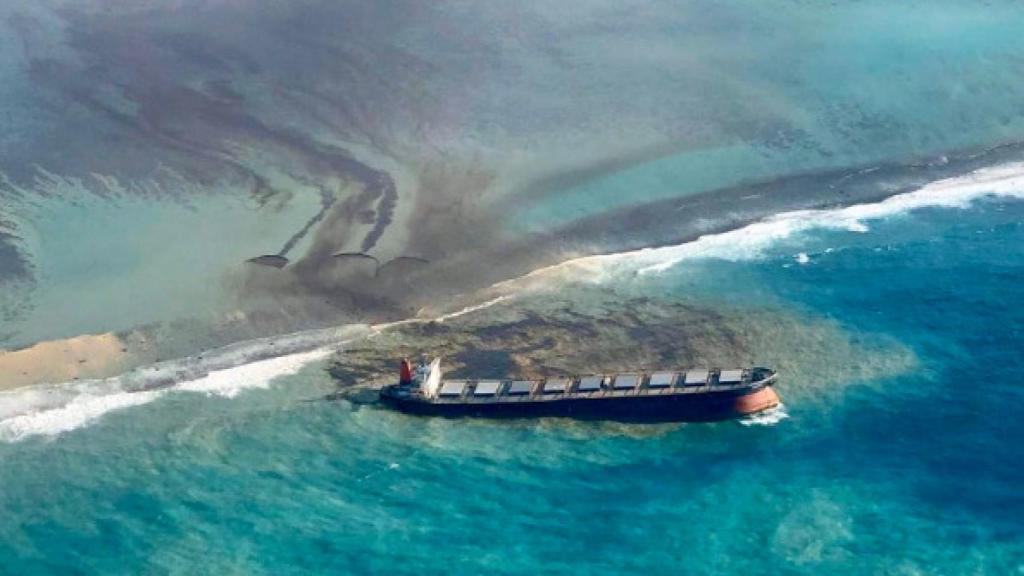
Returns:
(682, 395)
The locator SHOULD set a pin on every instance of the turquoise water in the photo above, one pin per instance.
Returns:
(148, 152)
(519, 118)
(908, 472)
(823, 86)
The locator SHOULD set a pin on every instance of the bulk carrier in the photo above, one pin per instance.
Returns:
(699, 394)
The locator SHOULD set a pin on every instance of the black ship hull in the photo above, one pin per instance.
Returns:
(681, 407)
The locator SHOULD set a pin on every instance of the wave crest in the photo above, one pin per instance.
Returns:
(54, 409)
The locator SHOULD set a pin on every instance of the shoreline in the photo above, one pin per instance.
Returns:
(85, 356)
(72, 359)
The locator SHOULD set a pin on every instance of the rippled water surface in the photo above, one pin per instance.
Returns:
(909, 466)
(222, 223)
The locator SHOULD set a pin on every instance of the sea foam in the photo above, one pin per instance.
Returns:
(751, 241)
(79, 411)
(228, 383)
(769, 417)
(53, 409)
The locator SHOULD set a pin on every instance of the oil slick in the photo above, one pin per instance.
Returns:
(271, 260)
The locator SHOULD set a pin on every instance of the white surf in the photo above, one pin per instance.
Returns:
(54, 409)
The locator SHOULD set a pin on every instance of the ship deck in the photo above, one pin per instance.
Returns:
(593, 387)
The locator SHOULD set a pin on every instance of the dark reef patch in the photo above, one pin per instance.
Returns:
(547, 337)
(428, 127)
(12, 262)
(16, 273)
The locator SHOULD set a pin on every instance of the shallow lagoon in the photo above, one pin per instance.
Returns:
(904, 468)
(897, 450)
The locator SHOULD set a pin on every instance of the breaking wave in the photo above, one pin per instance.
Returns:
(90, 401)
(50, 410)
(751, 241)
(84, 405)
(769, 417)
(53, 409)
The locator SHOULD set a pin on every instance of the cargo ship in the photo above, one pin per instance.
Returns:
(697, 394)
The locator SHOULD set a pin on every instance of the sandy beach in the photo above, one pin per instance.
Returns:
(90, 356)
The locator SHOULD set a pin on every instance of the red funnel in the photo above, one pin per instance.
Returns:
(405, 372)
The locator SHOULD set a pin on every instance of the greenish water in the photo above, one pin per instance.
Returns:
(904, 469)
(498, 122)
(148, 151)
(116, 264)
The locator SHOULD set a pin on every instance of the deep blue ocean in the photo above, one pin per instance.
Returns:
(903, 458)
(832, 189)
